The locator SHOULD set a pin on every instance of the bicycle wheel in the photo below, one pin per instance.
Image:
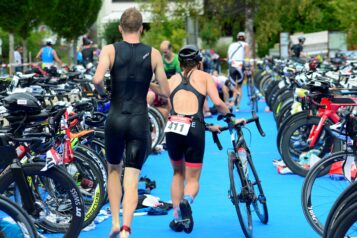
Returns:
(346, 224)
(319, 191)
(156, 130)
(161, 119)
(14, 221)
(294, 143)
(90, 182)
(259, 201)
(238, 190)
(346, 199)
(59, 205)
(100, 164)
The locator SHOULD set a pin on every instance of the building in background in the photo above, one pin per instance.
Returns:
(113, 9)
(325, 43)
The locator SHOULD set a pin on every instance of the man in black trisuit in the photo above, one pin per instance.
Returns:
(131, 65)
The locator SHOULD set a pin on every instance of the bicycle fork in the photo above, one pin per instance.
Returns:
(27, 197)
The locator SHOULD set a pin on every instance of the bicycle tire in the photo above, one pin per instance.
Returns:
(66, 184)
(93, 196)
(280, 101)
(310, 199)
(285, 112)
(289, 153)
(275, 94)
(272, 86)
(253, 97)
(345, 221)
(162, 122)
(258, 76)
(264, 83)
(101, 165)
(234, 169)
(155, 130)
(259, 200)
(286, 124)
(19, 218)
(347, 198)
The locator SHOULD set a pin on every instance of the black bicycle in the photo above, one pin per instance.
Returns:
(245, 189)
(14, 221)
(251, 91)
(49, 196)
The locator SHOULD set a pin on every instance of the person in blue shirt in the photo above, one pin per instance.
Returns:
(48, 55)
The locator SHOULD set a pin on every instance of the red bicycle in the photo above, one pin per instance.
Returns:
(309, 133)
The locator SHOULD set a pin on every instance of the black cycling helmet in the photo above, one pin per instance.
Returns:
(22, 103)
(189, 52)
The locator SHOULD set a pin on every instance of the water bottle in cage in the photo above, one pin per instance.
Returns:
(242, 153)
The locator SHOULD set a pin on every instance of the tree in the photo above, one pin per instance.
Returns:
(11, 19)
(72, 18)
(36, 12)
(210, 32)
(111, 33)
(345, 13)
(163, 28)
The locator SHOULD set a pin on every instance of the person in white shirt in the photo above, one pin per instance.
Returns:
(18, 59)
(238, 55)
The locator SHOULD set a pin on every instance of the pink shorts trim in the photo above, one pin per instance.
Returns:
(193, 165)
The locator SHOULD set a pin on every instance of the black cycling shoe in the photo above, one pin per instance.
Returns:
(186, 214)
(176, 226)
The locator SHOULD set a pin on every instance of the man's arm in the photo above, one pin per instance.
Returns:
(57, 59)
(39, 54)
(160, 74)
(103, 66)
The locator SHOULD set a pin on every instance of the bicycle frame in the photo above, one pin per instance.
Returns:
(329, 111)
(10, 157)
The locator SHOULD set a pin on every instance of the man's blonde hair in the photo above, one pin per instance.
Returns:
(131, 20)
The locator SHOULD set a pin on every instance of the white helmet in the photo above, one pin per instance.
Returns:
(240, 34)
(49, 41)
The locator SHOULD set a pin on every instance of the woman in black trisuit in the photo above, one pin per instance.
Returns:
(185, 132)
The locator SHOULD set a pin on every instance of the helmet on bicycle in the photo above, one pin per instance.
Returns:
(189, 53)
(22, 103)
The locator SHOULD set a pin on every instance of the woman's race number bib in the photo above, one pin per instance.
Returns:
(179, 125)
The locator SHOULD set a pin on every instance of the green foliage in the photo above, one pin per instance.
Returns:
(34, 42)
(346, 13)
(4, 36)
(111, 32)
(72, 18)
(163, 28)
(210, 32)
(11, 16)
(275, 16)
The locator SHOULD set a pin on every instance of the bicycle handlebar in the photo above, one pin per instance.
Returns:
(318, 104)
(236, 126)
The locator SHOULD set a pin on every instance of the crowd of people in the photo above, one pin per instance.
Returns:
(133, 66)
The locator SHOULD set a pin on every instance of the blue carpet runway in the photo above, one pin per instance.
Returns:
(213, 212)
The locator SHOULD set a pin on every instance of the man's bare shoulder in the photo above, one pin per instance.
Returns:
(108, 48)
(155, 52)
